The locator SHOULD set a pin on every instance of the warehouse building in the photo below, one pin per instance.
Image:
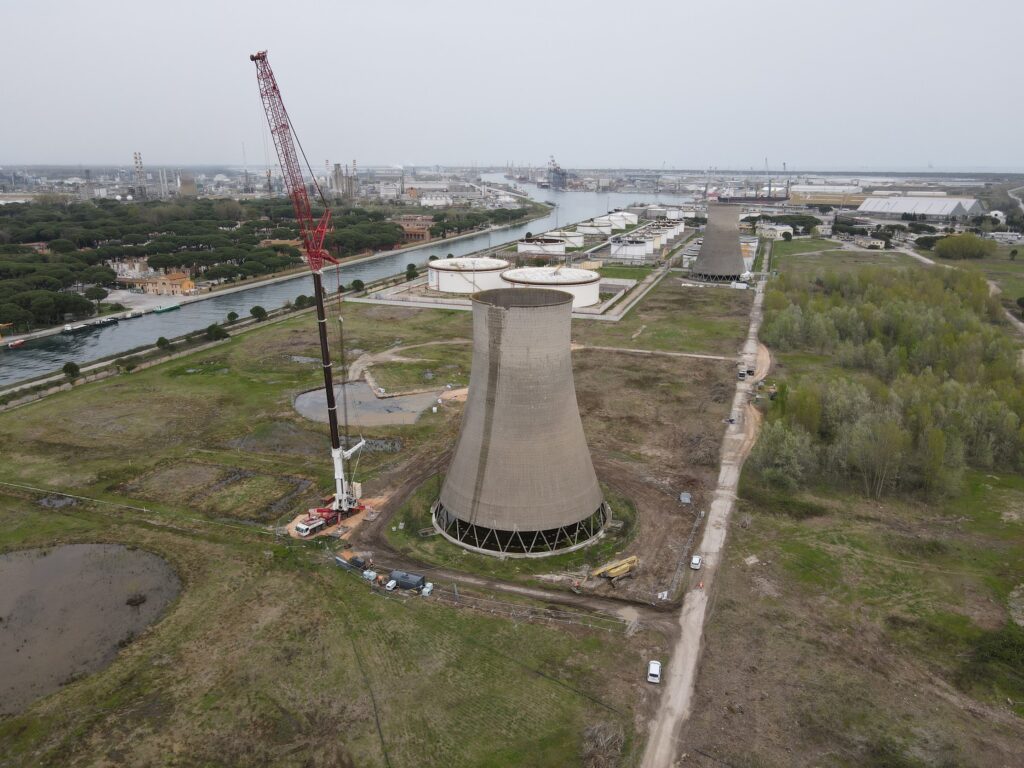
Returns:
(928, 208)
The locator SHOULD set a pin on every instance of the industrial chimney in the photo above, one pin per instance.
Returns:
(521, 482)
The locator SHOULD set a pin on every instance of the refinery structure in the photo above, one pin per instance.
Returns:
(521, 482)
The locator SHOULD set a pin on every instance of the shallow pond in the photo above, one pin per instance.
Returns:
(365, 409)
(66, 611)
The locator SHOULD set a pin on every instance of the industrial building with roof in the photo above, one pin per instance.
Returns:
(521, 481)
(720, 257)
(931, 208)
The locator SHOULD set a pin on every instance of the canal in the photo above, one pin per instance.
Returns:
(49, 354)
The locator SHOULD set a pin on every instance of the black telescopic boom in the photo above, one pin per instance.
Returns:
(325, 356)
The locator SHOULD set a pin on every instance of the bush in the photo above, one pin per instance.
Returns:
(259, 313)
(71, 370)
(215, 333)
(411, 273)
(966, 246)
(358, 285)
(927, 242)
(783, 456)
(232, 317)
(163, 343)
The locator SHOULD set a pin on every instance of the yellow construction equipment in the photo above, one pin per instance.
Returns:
(617, 569)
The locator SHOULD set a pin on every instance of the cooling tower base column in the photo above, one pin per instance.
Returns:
(495, 542)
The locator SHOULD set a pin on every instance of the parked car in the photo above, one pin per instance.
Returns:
(391, 586)
(696, 562)
(654, 672)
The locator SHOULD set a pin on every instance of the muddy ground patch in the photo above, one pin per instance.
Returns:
(223, 491)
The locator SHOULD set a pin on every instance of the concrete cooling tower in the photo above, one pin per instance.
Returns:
(720, 257)
(521, 482)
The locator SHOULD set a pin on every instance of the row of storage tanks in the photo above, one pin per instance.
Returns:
(643, 244)
(470, 274)
(555, 242)
(605, 225)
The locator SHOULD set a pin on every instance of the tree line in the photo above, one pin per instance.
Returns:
(212, 239)
(455, 222)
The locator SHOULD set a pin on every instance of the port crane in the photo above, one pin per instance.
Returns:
(312, 232)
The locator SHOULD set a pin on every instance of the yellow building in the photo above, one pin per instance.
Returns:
(174, 284)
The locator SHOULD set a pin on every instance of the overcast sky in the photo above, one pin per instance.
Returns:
(875, 84)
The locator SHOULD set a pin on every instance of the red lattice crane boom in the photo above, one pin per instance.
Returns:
(313, 233)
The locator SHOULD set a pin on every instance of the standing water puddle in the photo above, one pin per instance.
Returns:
(66, 611)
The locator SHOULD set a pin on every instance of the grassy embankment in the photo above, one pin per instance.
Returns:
(268, 648)
(858, 631)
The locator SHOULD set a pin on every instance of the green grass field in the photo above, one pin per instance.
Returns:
(781, 249)
(674, 318)
(434, 366)
(626, 273)
(1007, 274)
(269, 648)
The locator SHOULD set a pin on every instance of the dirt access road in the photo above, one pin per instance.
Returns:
(681, 669)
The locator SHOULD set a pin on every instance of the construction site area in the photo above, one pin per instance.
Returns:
(390, 497)
(216, 452)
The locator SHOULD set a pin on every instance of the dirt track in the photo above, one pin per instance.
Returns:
(681, 670)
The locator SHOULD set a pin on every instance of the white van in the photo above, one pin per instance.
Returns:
(654, 672)
(309, 527)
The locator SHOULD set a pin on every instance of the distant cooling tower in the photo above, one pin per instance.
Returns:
(521, 482)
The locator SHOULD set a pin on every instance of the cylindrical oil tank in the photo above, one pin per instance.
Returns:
(466, 275)
(521, 481)
(546, 245)
(583, 284)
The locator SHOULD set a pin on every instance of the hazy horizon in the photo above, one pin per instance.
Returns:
(884, 87)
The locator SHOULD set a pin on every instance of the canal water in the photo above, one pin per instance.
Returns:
(49, 354)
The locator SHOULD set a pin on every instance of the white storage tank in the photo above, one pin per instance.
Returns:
(583, 284)
(618, 220)
(592, 227)
(546, 245)
(629, 248)
(468, 274)
(572, 239)
(630, 218)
